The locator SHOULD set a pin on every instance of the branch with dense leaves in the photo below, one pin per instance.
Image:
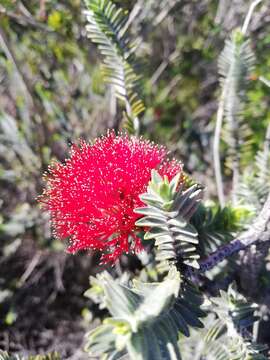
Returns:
(258, 232)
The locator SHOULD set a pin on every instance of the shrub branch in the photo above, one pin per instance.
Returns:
(258, 232)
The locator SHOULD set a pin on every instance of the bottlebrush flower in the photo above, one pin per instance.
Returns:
(91, 197)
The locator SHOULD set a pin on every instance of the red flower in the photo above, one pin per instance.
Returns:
(92, 196)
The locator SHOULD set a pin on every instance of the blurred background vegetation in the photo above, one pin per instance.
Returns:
(52, 93)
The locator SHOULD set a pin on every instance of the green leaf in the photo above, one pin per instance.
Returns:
(236, 64)
(159, 299)
(167, 213)
(5, 356)
(107, 28)
(146, 318)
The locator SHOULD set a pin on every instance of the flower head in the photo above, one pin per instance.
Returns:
(91, 197)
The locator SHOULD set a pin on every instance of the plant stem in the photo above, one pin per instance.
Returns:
(135, 119)
(162, 67)
(216, 142)
(266, 145)
(234, 148)
(264, 81)
(249, 15)
(258, 232)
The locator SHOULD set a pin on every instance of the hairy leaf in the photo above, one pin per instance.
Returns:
(167, 214)
(107, 28)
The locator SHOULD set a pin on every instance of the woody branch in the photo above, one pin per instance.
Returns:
(258, 232)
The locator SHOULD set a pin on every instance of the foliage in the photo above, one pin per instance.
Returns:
(216, 226)
(52, 92)
(108, 28)
(254, 184)
(235, 314)
(236, 64)
(96, 290)
(166, 215)
(226, 336)
(166, 219)
(4, 356)
(146, 319)
(130, 328)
